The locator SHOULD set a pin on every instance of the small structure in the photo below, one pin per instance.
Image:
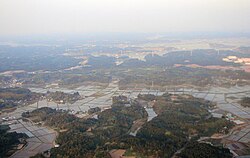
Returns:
(57, 145)
(238, 122)
(117, 153)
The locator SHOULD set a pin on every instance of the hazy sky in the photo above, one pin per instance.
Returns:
(84, 16)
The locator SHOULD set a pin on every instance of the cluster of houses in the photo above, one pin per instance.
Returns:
(235, 59)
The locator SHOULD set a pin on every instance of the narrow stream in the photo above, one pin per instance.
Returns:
(151, 113)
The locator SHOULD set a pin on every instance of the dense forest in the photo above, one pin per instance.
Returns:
(11, 97)
(9, 141)
(61, 97)
(174, 76)
(161, 70)
(62, 78)
(80, 137)
(181, 121)
(203, 150)
(181, 118)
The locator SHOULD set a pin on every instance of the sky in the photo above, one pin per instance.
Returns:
(27, 17)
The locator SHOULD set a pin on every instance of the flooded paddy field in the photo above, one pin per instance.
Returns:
(226, 98)
(41, 138)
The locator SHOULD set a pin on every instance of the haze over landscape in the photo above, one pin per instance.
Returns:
(125, 78)
(20, 17)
